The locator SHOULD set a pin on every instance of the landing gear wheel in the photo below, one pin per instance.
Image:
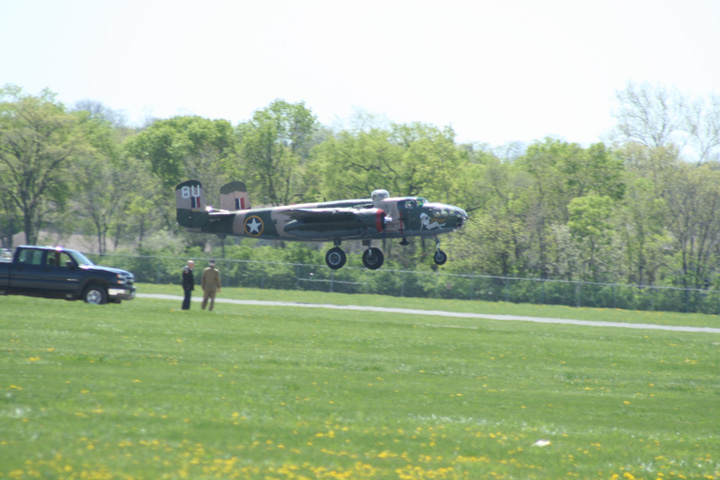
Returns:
(440, 257)
(95, 294)
(373, 258)
(335, 258)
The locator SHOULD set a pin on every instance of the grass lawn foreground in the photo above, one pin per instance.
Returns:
(144, 390)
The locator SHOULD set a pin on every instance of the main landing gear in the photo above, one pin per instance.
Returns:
(335, 257)
(372, 258)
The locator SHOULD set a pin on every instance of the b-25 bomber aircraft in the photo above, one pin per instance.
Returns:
(366, 219)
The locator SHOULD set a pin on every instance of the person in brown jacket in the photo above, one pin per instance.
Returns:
(210, 285)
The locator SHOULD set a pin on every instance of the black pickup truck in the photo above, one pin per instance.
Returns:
(56, 272)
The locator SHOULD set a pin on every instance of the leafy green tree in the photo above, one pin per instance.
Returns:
(10, 219)
(494, 240)
(545, 200)
(432, 165)
(693, 202)
(101, 190)
(674, 219)
(353, 164)
(646, 243)
(407, 160)
(176, 146)
(643, 210)
(591, 225)
(274, 147)
(560, 172)
(141, 215)
(38, 142)
(486, 245)
(177, 149)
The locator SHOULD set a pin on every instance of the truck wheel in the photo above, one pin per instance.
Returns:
(95, 294)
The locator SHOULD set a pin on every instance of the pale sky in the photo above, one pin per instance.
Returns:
(495, 71)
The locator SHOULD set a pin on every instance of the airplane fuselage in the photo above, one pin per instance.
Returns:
(348, 219)
(366, 219)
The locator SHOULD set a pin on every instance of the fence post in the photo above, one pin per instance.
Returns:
(578, 300)
(652, 299)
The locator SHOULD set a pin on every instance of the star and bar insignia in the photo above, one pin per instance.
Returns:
(254, 225)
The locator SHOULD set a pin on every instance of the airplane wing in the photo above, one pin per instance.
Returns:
(333, 223)
(321, 214)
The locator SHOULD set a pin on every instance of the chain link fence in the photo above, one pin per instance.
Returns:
(424, 284)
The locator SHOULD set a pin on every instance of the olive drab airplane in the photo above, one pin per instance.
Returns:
(366, 219)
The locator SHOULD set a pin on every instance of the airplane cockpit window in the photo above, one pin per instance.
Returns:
(407, 204)
(411, 203)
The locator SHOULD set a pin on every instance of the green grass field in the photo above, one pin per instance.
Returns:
(143, 390)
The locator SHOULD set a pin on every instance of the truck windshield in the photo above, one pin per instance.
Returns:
(81, 259)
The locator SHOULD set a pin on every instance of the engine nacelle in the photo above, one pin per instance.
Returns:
(372, 218)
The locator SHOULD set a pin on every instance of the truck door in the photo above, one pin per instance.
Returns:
(26, 272)
(61, 274)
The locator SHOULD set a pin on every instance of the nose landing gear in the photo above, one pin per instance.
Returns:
(440, 257)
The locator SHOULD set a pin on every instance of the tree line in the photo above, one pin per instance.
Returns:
(641, 208)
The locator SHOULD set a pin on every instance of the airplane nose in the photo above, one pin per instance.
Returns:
(461, 216)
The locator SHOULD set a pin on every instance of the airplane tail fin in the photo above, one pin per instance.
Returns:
(234, 196)
(190, 204)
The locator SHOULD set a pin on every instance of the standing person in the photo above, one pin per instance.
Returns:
(210, 284)
(188, 283)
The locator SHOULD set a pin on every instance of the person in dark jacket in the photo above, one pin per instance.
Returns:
(188, 283)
